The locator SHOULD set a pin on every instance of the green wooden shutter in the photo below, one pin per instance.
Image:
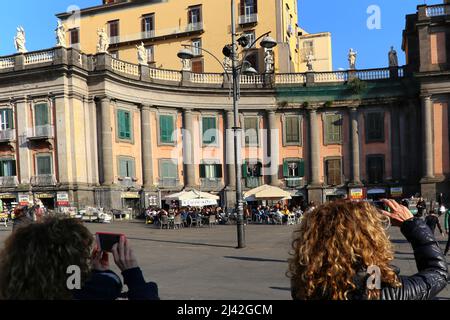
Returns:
(127, 125)
(259, 169)
(120, 122)
(301, 168)
(10, 119)
(202, 171)
(219, 173)
(244, 170)
(41, 114)
(285, 169)
(166, 128)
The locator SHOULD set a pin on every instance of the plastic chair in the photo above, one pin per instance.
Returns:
(212, 220)
(164, 222)
(178, 222)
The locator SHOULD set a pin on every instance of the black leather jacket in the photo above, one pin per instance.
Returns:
(430, 261)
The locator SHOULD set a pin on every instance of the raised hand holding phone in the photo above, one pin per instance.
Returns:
(123, 255)
(398, 213)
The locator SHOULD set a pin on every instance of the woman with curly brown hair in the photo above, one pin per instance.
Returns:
(340, 244)
(35, 260)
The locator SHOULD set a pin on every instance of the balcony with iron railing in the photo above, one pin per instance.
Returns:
(167, 183)
(209, 184)
(248, 19)
(253, 182)
(43, 180)
(7, 135)
(128, 182)
(294, 182)
(9, 182)
(40, 132)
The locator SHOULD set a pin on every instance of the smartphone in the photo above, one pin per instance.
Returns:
(106, 241)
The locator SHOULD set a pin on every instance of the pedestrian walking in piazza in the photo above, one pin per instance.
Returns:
(421, 207)
(432, 220)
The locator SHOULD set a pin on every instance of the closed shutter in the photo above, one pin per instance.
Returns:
(333, 126)
(292, 130)
(219, 173)
(259, 169)
(123, 168)
(334, 172)
(197, 66)
(375, 126)
(245, 170)
(166, 128)
(301, 168)
(41, 114)
(285, 169)
(44, 165)
(209, 130)
(127, 125)
(202, 171)
(242, 8)
(172, 170)
(256, 5)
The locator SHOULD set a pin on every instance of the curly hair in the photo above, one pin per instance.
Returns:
(34, 261)
(332, 244)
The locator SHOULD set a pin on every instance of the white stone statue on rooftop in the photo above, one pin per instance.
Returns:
(269, 61)
(60, 35)
(352, 59)
(19, 40)
(142, 54)
(187, 66)
(393, 58)
(309, 61)
(103, 41)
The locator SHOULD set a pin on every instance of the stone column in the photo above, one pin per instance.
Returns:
(354, 130)
(147, 158)
(24, 155)
(188, 149)
(107, 150)
(314, 148)
(63, 123)
(395, 140)
(274, 147)
(427, 124)
(229, 151)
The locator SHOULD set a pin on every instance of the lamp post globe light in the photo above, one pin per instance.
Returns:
(238, 68)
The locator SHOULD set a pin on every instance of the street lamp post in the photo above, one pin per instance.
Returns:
(237, 69)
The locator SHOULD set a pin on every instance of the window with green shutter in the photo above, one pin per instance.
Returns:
(124, 124)
(333, 128)
(168, 170)
(126, 168)
(166, 128)
(41, 115)
(251, 131)
(292, 129)
(7, 168)
(294, 168)
(44, 164)
(209, 128)
(375, 127)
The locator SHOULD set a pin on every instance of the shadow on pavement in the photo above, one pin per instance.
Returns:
(182, 242)
(280, 288)
(256, 259)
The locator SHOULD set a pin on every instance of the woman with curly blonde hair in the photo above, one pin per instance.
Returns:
(339, 245)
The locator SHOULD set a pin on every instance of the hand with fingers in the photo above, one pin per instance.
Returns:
(124, 255)
(99, 260)
(398, 214)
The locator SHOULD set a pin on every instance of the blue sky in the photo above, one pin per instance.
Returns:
(345, 19)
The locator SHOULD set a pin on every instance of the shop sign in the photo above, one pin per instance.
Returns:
(7, 196)
(45, 196)
(357, 194)
(198, 202)
(62, 199)
(335, 192)
(152, 200)
(24, 199)
(130, 195)
(397, 192)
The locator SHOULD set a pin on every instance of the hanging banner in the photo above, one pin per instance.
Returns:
(62, 199)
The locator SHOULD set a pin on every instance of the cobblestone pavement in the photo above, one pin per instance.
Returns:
(203, 264)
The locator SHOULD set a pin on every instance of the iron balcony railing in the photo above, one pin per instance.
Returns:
(210, 184)
(294, 182)
(252, 182)
(168, 183)
(43, 180)
(248, 18)
(41, 132)
(7, 135)
(128, 182)
(10, 181)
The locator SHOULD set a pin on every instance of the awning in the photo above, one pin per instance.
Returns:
(194, 198)
(267, 192)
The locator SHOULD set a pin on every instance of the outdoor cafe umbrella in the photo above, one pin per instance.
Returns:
(194, 198)
(266, 192)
